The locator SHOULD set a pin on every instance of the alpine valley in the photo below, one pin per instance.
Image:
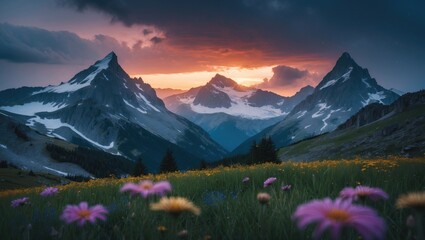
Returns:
(232, 113)
(104, 112)
(102, 107)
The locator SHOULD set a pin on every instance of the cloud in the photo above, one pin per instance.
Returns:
(147, 31)
(288, 79)
(35, 45)
(276, 28)
(156, 40)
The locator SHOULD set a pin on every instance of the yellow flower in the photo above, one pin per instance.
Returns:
(161, 229)
(175, 206)
(412, 200)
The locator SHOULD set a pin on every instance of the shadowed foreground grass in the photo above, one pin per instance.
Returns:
(229, 207)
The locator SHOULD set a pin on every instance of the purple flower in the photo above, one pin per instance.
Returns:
(269, 181)
(363, 192)
(338, 214)
(49, 191)
(82, 213)
(19, 202)
(245, 180)
(161, 188)
(286, 187)
(146, 188)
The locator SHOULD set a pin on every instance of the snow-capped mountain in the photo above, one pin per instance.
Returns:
(103, 107)
(232, 113)
(342, 93)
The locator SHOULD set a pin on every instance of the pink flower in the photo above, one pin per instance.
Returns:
(147, 188)
(49, 191)
(19, 202)
(363, 192)
(338, 214)
(82, 213)
(286, 188)
(245, 180)
(269, 181)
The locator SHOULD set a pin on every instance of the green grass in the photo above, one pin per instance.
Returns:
(12, 178)
(229, 208)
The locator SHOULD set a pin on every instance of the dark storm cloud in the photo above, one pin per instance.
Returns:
(147, 31)
(23, 44)
(156, 40)
(29, 44)
(284, 76)
(275, 27)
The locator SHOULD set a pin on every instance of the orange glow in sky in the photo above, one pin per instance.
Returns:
(242, 76)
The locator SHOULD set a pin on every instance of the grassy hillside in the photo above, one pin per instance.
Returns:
(12, 178)
(399, 134)
(229, 207)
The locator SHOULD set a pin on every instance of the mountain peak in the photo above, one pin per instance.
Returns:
(109, 60)
(222, 81)
(345, 61)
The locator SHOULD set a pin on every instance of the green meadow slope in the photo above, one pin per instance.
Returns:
(396, 133)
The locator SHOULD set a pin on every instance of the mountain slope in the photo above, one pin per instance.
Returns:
(342, 92)
(232, 113)
(376, 130)
(25, 149)
(103, 107)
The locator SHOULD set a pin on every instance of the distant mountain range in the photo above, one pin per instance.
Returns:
(102, 107)
(342, 93)
(377, 130)
(232, 113)
(166, 92)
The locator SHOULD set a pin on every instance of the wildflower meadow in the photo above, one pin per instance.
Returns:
(346, 199)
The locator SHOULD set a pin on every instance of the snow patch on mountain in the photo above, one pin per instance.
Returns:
(329, 83)
(73, 85)
(233, 94)
(139, 87)
(140, 96)
(320, 112)
(106, 78)
(29, 109)
(53, 124)
(301, 114)
(325, 124)
(345, 77)
(239, 105)
(57, 171)
(366, 83)
(130, 105)
(374, 97)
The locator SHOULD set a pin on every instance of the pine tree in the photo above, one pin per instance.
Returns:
(253, 154)
(168, 163)
(203, 165)
(267, 151)
(139, 168)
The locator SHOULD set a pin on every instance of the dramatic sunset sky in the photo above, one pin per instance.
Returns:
(183, 43)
